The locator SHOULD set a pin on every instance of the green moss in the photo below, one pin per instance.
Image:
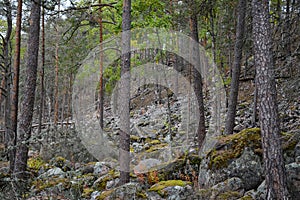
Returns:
(35, 163)
(59, 161)
(101, 184)
(87, 192)
(163, 184)
(104, 194)
(235, 144)
(134, 138)
(154, 142)
(194, 159)
(229, 195)
(141, 195)
(206, 193)
(156, 147)
(289, 141)
(131, 149)
(246, 198)
(40, 185)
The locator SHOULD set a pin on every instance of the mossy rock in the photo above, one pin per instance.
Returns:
(167, 170)
(289, 141)
(247, 197)
(58, 161)
(35, 163)
(42, 184)
(232, 147)
(141, 195)
(229, 195)
(100, 184)
(134, 138)
(156, 147)
(87, 192)
(105, 194)
(155, 142)
(164, 184)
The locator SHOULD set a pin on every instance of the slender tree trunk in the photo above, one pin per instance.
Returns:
(56, 107)
(15, 89)
(197, 77)
(24, 130)
(42, 92)
(276, 185)
(101, 93)
(124, 96)
(238, 50)
(10, 139)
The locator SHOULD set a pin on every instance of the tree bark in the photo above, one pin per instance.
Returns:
(197, 77)
(9, 134)
(24, 131)
(268, 112)
(234, 85)
(56, 107)
(15, 88)
(42, 92)
(124, 96)
(101, 93)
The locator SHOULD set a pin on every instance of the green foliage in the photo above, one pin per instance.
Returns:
(111, 76)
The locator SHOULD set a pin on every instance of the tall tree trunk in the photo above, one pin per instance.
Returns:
(42, 92)
(101, 93)
(234, 85)
(268, 112)
(9, 134)
(15, 89)
(56, 107)
(24, 130)
(124, 96)
(197, 76)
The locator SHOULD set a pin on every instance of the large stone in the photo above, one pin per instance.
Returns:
(101, 168)
(248, 168)
(56, 171)
(229, 186)
(128, 191)
(145, 165)
(293, 179)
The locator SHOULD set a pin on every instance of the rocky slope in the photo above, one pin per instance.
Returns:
(164, 160)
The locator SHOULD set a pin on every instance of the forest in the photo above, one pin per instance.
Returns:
(150, 99)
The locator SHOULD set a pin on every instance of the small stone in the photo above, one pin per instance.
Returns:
(94, 195)
(297, 160)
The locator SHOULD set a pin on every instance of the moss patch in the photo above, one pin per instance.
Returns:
(142, 195)
(246, 198)
(87, 192)
(163, 184)
(235, 144)
(40, 184)
(35, 163)
(232, 146)
(289, 141)
(105, 194)
(229, 195)
(134, 138)
(156, 147)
